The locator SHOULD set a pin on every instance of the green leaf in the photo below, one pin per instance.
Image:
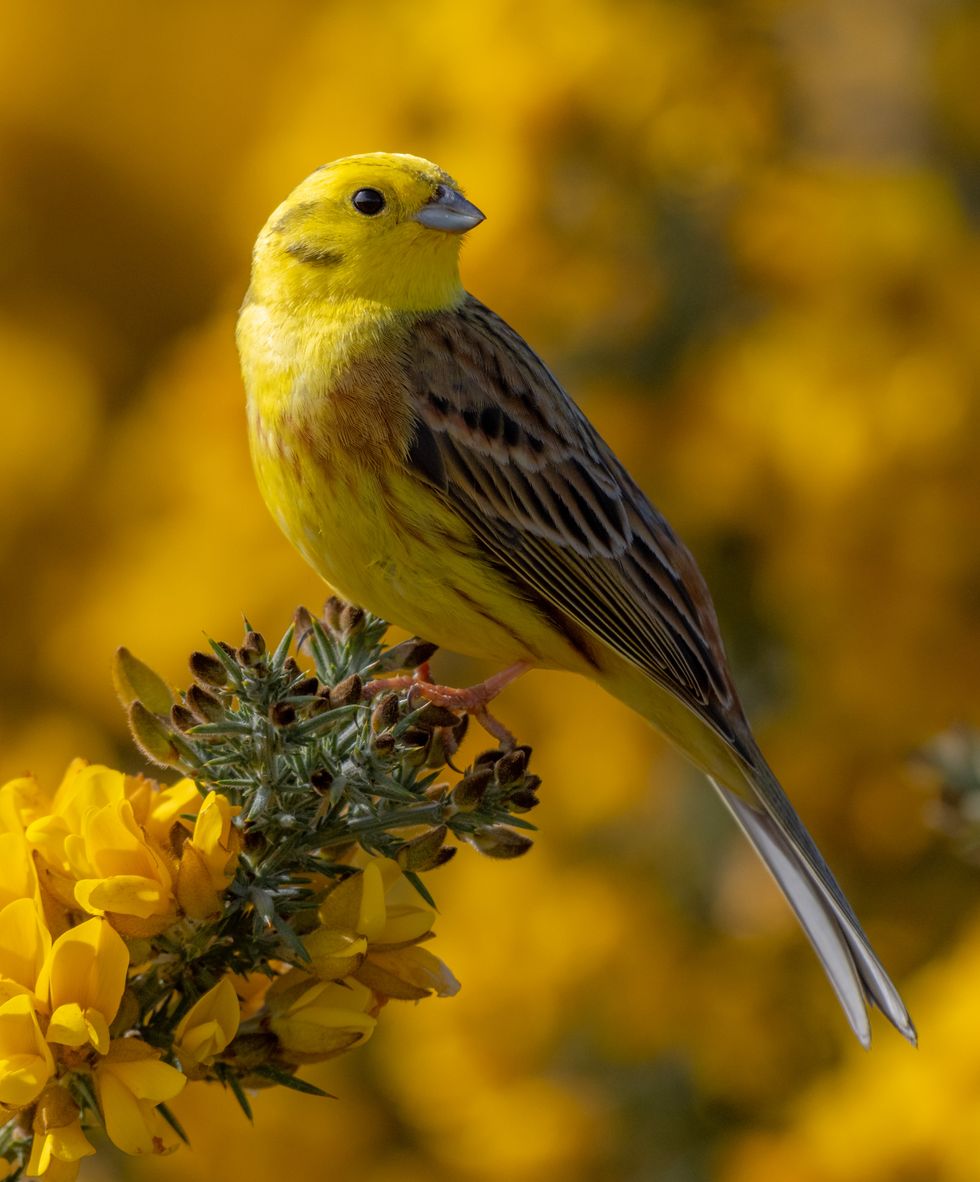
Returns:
(229, 662)
(326, 721)
(232, 1082)
(174, 1123)
(519, 823)
(277, 1075)
(283, 647)
(322, 648)
(420, 886)
(290, 938)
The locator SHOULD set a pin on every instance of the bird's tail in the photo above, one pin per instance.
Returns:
(779, 837)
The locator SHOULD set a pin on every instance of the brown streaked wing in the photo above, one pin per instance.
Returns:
(553, 507)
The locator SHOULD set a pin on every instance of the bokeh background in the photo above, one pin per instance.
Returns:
(745, 235)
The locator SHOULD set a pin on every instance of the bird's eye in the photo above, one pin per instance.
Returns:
(368, 201)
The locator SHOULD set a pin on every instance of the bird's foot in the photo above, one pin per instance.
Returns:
(473, 699)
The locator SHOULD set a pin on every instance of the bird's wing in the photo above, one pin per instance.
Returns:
(554, 509)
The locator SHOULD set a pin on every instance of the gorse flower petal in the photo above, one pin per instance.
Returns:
(374, 904)
(334, 954)
(26, 1062)
(406, 974)
(84, 977)
(18, 875)
(130, 1082)
(117, 869)
(209, 858)
(158, 810)
(24, 945)
(318, 1019)
(59, 1142)
(208, 1026)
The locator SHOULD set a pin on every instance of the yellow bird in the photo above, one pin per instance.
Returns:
(429, 466)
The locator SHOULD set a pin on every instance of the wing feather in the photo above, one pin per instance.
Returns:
(554, 509)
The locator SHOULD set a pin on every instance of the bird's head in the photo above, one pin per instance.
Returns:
(382, 227)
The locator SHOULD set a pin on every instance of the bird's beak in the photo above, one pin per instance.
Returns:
(449, 211)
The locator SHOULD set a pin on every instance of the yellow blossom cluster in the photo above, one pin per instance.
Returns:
(89, 876)
(367, 947)
(87, 867)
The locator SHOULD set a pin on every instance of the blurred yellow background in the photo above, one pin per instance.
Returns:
(745, 236)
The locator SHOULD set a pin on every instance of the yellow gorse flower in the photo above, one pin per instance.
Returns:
(207, 860)
(94, 852)
(59, 1142)
(131, 1081)
(370, 928)
(26, 1062)
(101, 843)
(117, 870)
(84, 976)
(207, 1027)
(316, 1020)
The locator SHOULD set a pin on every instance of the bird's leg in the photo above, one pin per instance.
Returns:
(473, 699)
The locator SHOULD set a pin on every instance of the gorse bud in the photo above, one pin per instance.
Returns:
(407, 655)
(522, 800)
(430, 715)
(204, 706)
(331, 613)
(470, 791)
(510, 768)
(208, 670)
(152, 736)
(423, 852)
(385, 713)
(321, 780)
(182, 718)
(252, 650)
(346, 692)
(351, 619)
(136, 681)
(282, 714)
(497, 841)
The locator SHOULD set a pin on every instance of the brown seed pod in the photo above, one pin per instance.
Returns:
(351, 619)
(182, 718)
(498, 841)
(282, 713)
(471, 789)
(346, 692)
(385, 713)
(208, 670)
(321, 781)
(420, 853)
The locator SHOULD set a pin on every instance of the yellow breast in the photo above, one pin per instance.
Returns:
(329, 426)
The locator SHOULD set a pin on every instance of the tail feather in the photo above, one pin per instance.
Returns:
(856, 974)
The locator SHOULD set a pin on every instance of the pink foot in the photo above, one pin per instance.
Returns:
(474, 699)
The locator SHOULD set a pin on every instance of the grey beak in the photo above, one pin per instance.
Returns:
(449, 211)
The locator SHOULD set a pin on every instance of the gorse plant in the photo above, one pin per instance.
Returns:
(250, 918)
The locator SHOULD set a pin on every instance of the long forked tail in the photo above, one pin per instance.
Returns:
(780, 839)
